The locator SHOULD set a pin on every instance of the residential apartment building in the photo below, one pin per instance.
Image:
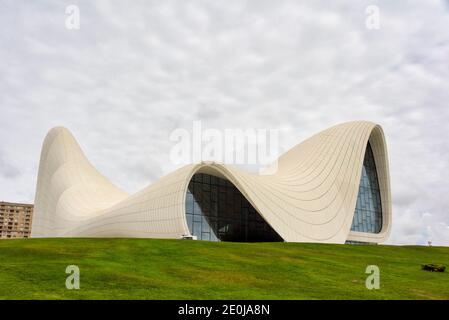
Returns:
(15, 220)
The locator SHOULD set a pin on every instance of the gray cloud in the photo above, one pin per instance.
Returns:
(7, 170)
(132, 74)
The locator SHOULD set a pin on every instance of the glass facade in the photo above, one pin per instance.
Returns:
(368, 211)
(216, 210)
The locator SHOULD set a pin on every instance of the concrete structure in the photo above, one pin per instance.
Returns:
(334, 187)
(15, 220)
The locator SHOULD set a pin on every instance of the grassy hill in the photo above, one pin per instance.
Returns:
(176, 269)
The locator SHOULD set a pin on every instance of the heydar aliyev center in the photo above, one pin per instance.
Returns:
(334, 187)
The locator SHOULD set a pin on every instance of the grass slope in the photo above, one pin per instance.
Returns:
(175, 269)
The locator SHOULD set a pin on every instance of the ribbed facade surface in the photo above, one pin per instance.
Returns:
(310, 198)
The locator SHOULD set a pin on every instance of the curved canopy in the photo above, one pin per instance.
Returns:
(310, 198)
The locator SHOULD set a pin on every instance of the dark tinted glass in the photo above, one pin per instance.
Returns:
(216, 210)
(368, 211)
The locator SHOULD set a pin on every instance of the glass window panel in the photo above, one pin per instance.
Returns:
(221, 213)
(197, 229)
(368, 212)
(189, 203)
(190, 221)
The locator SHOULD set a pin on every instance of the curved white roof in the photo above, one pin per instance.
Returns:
(311, 197)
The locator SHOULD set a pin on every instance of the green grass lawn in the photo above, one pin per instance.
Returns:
(181, 269)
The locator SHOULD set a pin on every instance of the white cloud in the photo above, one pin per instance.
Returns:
(154, 66)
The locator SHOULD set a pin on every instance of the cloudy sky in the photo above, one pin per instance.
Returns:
(135, 72)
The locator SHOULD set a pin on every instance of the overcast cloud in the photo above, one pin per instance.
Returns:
(137, 70)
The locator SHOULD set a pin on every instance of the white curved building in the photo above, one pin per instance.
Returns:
(334, 187)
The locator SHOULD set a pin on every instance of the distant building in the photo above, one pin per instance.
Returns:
(15, 220)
